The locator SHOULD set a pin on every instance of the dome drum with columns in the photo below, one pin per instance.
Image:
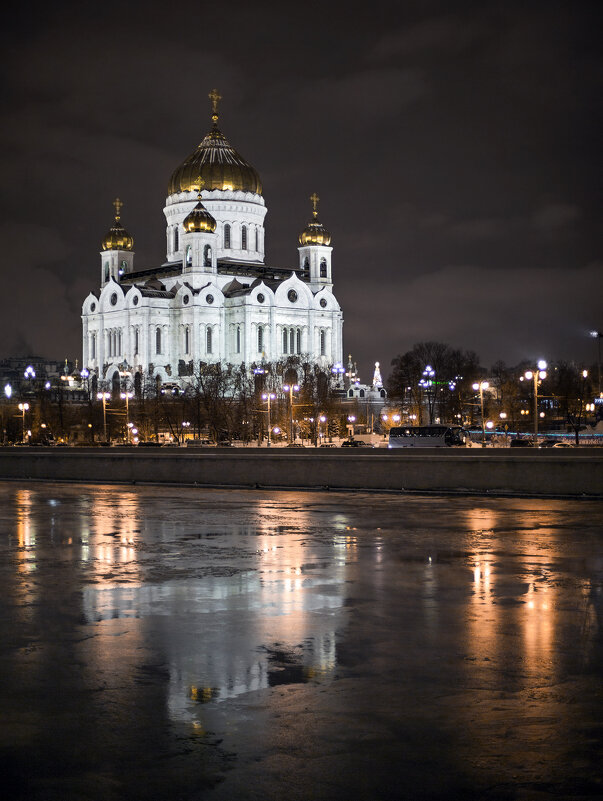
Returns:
(213, 299)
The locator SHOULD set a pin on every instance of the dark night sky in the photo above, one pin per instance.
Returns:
(455, 147)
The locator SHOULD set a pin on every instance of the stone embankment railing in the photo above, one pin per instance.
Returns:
(563, 472)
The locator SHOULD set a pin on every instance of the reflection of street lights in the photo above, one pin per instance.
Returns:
(23, 407)
(268, 396)
(291, 388)
(104, 396)
(597, 335)
(126, 396)
(536, 375)
(482, 386)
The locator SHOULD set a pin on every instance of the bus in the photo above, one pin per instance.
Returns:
(433, 436)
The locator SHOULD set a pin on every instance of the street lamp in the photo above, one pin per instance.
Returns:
(321, 419)
(291, 388)
(268, 396)
(536, 375)
(597, 335)
(482, 386)
(351, 421)
(104, 396)
(23, 407)
(126, 396)
(427, 383)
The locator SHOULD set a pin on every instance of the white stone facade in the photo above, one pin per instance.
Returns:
(213, 300)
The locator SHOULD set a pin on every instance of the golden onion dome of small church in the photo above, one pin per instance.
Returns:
(217, 162)
(199, 220)
(117, 237)
(315, 233)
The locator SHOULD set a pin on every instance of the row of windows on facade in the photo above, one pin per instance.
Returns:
(291, 341)
(227, 238)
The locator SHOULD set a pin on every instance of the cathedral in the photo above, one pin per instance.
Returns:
(213, 299)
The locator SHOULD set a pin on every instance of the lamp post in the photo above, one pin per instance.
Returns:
(268, 396)
(126, 396)
(536, 375)
(321, 419)
(597, 335)
(351, 421)
(104, 397)
(23, 407)
(482, 386)
(427, 383)
(291, 388)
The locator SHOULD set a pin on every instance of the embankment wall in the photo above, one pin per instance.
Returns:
(538, 473)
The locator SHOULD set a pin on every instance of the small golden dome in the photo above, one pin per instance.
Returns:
(315, 233)
(217, 162)
(199, 220)
(117, 238)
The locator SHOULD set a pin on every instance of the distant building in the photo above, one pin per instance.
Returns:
(213, 299)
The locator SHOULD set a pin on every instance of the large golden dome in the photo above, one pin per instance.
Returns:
(217, 163)
(117, 238)
(315, 233)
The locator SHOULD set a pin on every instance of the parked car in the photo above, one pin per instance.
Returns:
(521, 443)
(294, 445)
(356, 443)
(328, 445)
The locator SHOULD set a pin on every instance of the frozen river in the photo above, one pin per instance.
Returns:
(165, 643)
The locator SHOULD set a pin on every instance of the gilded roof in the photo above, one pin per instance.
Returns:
(216, 162)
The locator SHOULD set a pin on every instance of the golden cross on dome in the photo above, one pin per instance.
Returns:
(215, 99)
(200, 182)
(118, 204)
(314, 198)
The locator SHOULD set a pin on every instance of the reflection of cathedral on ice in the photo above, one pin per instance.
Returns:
(213, 299)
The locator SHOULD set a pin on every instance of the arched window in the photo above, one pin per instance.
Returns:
(227, 236)
(119, 343)
(136, 341)
(306, 264)
(176, 243)
(292, 340)
(208, 343)
(158, 340)
(323, 268)
(244, 237)
(187, 339)
(298, 340)
(323, 344)
(257, 238)
(285, 340)
(238, 338)
(189, 256)
(93, 347)
(106, 271)
(207, 256)
(260, 339)
(351, 393)
(361, 393)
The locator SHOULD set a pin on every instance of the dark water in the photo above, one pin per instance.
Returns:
(165, 643)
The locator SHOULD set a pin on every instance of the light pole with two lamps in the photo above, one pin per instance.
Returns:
(127, 396)
(104, 397)
(482, 385)
(598, 335)
(268, 396)
(291, 388)
(23, 407)
(536, 375)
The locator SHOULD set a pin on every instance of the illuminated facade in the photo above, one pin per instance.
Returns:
(213, 299)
